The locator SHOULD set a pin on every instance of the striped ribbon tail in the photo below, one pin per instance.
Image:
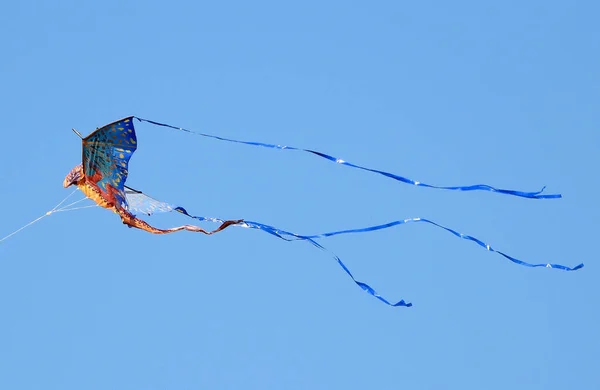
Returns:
(476, 187)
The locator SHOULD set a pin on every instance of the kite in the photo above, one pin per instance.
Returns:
(103, 173)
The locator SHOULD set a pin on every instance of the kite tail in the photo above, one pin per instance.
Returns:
(131, 221)
(476, 187)
(289, 236)
(281, 234)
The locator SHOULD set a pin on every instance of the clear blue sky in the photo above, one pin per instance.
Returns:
(446, 92)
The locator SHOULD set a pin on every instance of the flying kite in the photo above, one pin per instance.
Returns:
(103, 173)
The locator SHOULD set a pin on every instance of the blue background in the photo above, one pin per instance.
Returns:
(450, 93)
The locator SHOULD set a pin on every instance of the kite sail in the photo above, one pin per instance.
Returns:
(103, 172)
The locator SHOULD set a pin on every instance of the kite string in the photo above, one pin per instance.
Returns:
(77, 208)
(23, 227)
(51, 211)
(65, 208)
(62, 201)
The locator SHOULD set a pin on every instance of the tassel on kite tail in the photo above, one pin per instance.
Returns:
(477, 187)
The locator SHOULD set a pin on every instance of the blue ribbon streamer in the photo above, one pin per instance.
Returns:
(476, 187)
(288, 236)
(454, 232)
(281, 233)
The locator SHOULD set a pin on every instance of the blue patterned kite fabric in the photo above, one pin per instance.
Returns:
(106, 154)
(475, 187)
